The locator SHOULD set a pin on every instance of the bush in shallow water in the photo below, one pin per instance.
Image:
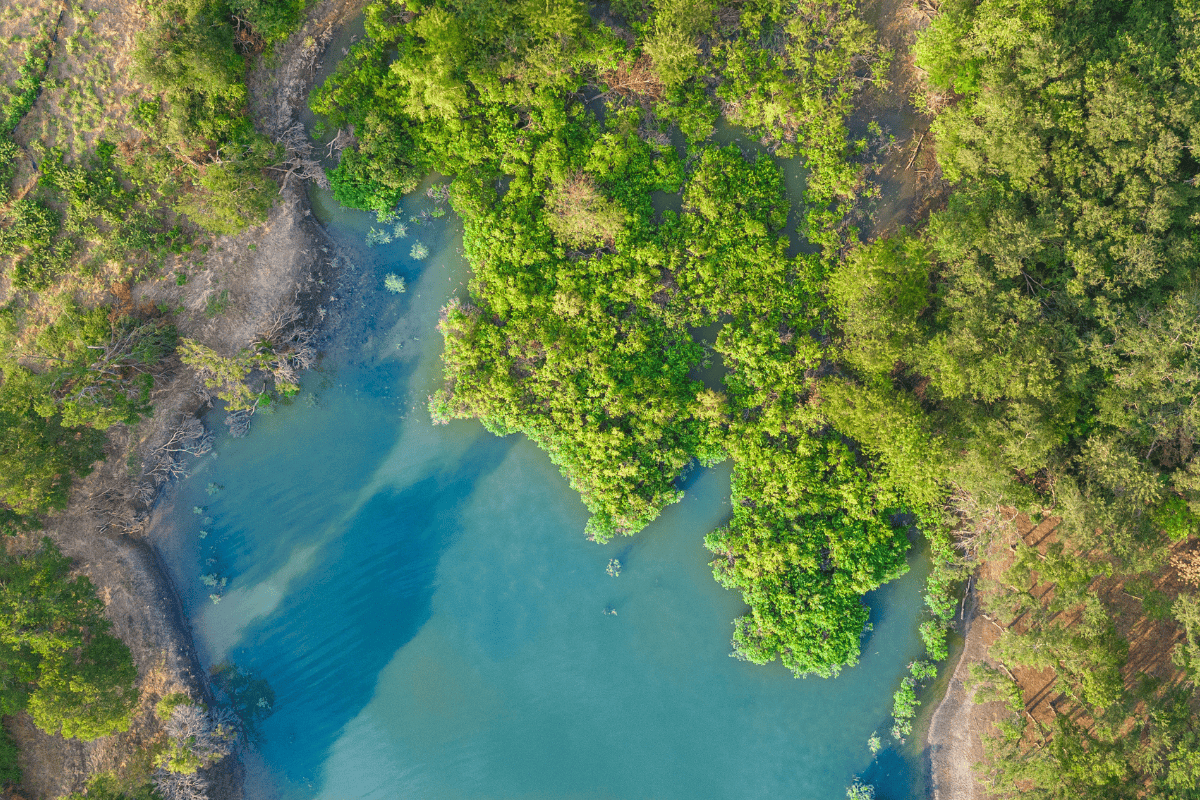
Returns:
(394, 283)
(860, 791)
(418, 252)
(378, 237)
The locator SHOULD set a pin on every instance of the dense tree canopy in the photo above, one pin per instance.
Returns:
(581, 327)
(59, 660)
(1030, 346)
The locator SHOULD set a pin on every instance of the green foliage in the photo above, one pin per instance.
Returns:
(91, 373)
(165, 706)
(273, 20)
(227, 374)
(1186, 654)
(904, 708)
(78, 208)
(992, 685)
(933, 636)
(186, 53)
(880, 292)
(860, 791)
(1157, 760)
(228, 198)
(1064, 264)
(97, 372)
(799, 98)
(806, 541)
(59, 661)
(579, 328)
(671, 41)
(1176, 519)
(28, 84)
(10, 767)
(107, 786)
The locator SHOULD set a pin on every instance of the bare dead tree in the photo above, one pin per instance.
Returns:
(293, 347)
(633, 80)
(239, 422)
(978, 524)
(280, 320)
(188, 437)
(180, 786)
(344, 139)
(208, 736)
(298, 158)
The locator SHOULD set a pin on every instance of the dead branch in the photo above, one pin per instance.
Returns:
(239, 422)
(915, 152)
(188, 437)
(340, 142)
(633, 79)
(299, 160)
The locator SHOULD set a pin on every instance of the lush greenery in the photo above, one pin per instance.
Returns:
(1035, 339)
(60, 663)
(198, 123)
(79, 227)
(70, 371)
(1031, 346)
(581, 329)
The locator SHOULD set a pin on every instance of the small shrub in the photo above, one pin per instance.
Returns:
(216, 304)
(933, 634)
(167, 705)
(860, 791)
(904, 708)
(394, 283)
(581, 216)
(418, 252)
(376, 237)
(1176, 519)
(922, 670)
(1157, 605)
(614, 568)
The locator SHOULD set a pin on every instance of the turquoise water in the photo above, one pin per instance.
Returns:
(434, 625)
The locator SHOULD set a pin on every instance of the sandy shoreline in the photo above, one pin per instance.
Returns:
(953, 744)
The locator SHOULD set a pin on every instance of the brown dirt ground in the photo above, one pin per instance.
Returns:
(254, 277)
(955, 738)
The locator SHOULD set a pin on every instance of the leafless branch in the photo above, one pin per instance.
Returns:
(299, 160)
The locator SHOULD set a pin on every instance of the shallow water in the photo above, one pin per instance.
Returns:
(434, 625)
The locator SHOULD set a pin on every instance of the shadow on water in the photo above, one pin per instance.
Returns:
(329, 665)
(892, 774)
